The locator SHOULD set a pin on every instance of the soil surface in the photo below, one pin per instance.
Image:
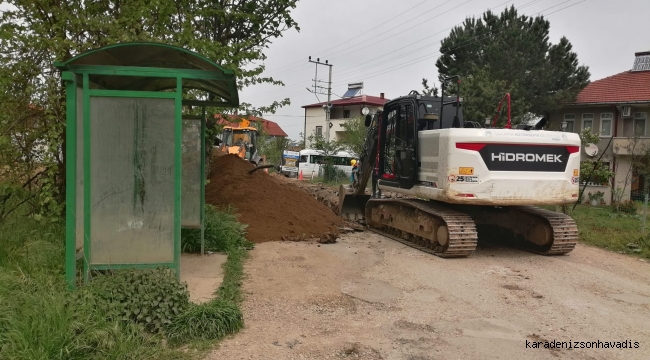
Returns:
(369, 297)
(203, 275)
(274, 209)
(327, 195)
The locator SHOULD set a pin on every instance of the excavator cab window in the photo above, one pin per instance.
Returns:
(400, 143)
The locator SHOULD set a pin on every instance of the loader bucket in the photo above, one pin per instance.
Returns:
(352, 206)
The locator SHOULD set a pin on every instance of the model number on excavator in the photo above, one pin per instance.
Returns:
(466, 179)
(526, 157)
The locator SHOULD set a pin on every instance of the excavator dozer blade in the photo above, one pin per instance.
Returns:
(351, 205)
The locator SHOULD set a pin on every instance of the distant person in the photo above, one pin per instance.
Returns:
(355, 168)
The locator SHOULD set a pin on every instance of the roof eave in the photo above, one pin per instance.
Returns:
(346, 104)
(609, 103)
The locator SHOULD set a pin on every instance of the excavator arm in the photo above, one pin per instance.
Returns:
(353, 198)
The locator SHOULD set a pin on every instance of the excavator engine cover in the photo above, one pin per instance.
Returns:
(352, 206)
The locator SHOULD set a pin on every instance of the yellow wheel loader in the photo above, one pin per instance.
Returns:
(241, 141)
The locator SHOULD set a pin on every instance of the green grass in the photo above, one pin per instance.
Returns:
(222, 233)
(221, 316)
(41, 319)
(36, 319)
(602, 227)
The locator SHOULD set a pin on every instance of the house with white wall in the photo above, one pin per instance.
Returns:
(617, 108)
(348, 107)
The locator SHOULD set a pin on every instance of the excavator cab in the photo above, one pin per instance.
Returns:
(392, 146)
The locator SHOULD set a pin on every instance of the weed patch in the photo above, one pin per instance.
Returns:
(124, 314)
(37, 322)
(207, 321)
(221, 316)
(620, 232)
(151, 297)
(222, 232)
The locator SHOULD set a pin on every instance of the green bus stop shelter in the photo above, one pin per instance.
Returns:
(135, 165)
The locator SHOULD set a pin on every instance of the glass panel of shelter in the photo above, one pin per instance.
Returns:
(132, 180)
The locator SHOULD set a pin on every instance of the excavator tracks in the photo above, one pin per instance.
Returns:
(423, 225)
(565, 231)
(450, 232)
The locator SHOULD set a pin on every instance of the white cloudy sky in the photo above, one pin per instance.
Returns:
(390, 45)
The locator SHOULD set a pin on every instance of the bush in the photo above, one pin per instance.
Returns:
(333, 174)
(222, 232)
(627, 206)
(151, 297)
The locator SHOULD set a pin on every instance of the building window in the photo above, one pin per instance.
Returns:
(346, 114)
(640, 119)
(319, 131)
(587, 121)
(606, 124)
(570, 119)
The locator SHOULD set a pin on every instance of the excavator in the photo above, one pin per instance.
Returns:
(241, 141)
(456, 176)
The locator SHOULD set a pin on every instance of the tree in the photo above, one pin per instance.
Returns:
(35, 33)
(270, 147)
(510, 53)
(328, 148)
(592, 170)
(481, 94)
(426, 90)
(355, 135)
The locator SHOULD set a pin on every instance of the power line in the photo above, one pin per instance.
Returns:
(413, 43)
(469, 41)
(291, 66)
(405, 30)
(432, 55)
(429, 56)
(345, 70)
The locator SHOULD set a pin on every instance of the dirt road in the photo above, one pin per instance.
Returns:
(368, 297)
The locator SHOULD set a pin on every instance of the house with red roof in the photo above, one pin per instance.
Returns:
(348, 107)
(270, 127)
(617, 107)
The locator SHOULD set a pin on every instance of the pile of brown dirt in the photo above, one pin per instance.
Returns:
(273, 209)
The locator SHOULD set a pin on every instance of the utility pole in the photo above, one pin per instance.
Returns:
(327, 107)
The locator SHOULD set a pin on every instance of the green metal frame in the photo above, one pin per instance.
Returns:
(71, 176)
(215, 72)
(161, 45)
(202, 173)
(69, 76)
(146, 72)
(134, 266)
(202, 186)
